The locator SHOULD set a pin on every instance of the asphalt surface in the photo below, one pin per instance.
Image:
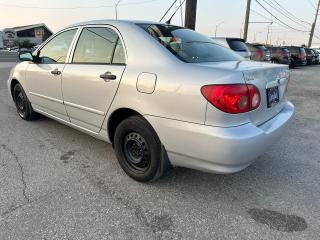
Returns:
(58, 183)
(6, 56)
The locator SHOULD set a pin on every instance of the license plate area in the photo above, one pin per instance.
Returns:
(272, 96)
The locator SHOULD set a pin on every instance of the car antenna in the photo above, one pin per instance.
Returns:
(169, 20)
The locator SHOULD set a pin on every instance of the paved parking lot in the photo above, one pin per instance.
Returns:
(58, 183)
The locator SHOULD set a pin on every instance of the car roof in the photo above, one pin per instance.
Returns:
(112, 22)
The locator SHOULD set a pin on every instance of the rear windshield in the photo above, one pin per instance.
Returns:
(293, 50)
(285, 50)
(189, 46)
(237, 45)
(261, 47)
(309, 51)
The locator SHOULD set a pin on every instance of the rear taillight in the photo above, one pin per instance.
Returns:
(260, 54)
(232, 98)
(299, 56)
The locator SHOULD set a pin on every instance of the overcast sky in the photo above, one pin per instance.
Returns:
(228, 14)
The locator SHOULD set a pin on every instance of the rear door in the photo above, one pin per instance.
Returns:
(91, 79)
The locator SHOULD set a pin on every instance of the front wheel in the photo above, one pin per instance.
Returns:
(23, 104)
(139, 150)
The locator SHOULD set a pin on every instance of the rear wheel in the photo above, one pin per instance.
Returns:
(23, 104)
(139, 150)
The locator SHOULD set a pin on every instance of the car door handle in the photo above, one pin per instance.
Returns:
(56, 72)
(108, 76)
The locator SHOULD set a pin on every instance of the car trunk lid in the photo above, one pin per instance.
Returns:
(264, 76)
(271, 80)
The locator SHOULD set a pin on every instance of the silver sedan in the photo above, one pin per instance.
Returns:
(162, 95)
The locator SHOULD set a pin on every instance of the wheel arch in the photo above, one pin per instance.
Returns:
(116, 117)
(13, 83)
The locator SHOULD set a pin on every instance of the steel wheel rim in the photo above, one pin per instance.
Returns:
(21, 104)
(136, 152)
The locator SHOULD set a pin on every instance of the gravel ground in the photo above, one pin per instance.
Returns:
(58, 183)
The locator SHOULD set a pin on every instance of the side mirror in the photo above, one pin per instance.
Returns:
(25, 56)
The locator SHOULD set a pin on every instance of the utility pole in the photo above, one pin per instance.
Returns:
(191, 14)
(216, 31)
(313, 26)
(116, 8)
(246, 23)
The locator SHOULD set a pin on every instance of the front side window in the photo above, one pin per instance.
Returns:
(189, 46)
(56, 50)
(99, 45)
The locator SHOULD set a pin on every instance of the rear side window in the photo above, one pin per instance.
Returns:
(119, 56)
(99, 45)
(237, 45)
(189, 46)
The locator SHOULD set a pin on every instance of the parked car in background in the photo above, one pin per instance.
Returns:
(298, 56)
(34, 48)
(280, 55)
(176, 98)
(259, 52)
(317, 56)
(311, 58)
(14, 49)
(236, 44)
(25, 50)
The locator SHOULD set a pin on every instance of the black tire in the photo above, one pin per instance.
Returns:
(139, 150)
(23, 104)
(275, 61)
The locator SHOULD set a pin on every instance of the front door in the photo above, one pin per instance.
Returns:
(43, 78)
(91, 79)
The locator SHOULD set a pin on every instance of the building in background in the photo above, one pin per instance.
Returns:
(1, 40)
(24, 36)
(31, 35)
(8, 38)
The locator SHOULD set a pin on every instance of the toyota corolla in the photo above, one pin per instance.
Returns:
(162, 95)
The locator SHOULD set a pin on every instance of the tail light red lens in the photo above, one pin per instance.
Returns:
(299, 56)
(232, 98)
(260, 55)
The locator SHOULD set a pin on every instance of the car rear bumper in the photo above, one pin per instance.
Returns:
(217, 149)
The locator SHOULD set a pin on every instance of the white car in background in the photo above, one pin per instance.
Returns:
(162, 95)
(236, 44)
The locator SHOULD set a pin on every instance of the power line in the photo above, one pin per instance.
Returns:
(291, 14)
(274, 21)
(78, 7)
(169, 21)
(312, 5)
(285, 14)
(299, 30)
(171, 6)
